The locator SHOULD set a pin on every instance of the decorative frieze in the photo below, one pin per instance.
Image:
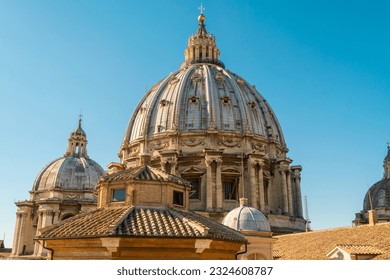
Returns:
(192, 142)
(229, 142)
(159, 145)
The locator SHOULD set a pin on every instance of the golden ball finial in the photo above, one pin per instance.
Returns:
(201, 18)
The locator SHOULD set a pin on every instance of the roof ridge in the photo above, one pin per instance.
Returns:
(203, 229)
(334, 229)
(126, 212)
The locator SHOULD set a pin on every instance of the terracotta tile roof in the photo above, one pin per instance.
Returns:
(96, 223)
(359, 249)
(141, 222)
(276, 254)
(316, 244)
(144, 172)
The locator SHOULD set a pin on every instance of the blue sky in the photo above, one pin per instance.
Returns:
(322, 65)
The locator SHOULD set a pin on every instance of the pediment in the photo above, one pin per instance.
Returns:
(193, 170)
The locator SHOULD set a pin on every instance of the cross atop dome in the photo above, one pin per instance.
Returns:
(201, 9)
(202, 47)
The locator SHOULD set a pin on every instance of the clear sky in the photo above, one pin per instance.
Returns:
(324, 66)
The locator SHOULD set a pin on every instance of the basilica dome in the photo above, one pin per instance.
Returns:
(203, 95)
(74, 171)
(213, 128)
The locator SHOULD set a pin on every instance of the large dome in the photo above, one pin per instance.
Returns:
(214, 129)
(203, 96)
(199, 97)
(74, 171)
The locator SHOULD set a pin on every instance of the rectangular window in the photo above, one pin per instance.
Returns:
(195, 188)
(118, 195)
(230, 189)
(178, 198)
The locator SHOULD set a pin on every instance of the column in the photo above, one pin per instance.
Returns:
(290, 193)
(261, 186)
(297, 173)
(46, 219)
(209, 186)
(282, 169)
(253, 184)
(17, 247)
(218, 162)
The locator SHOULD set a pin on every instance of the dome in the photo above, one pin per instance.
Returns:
(213, 128)
(74, 171)
(203, 97)
(245, 218)
(69, 172)
(378, 196)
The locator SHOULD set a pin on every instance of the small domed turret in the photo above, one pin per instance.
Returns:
(377, 198)
(75, 170)
(245, 218)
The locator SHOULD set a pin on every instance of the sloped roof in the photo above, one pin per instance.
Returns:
(316, 245)
(144, 172)
(155, 222)
(359, 249)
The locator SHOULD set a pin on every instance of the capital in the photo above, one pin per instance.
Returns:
(258, 162)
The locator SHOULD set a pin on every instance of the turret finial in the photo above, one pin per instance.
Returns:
(80, 119)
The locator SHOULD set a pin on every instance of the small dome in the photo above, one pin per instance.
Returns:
(378, 195)
(69, 172)
(74, 171)
(245, 218)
